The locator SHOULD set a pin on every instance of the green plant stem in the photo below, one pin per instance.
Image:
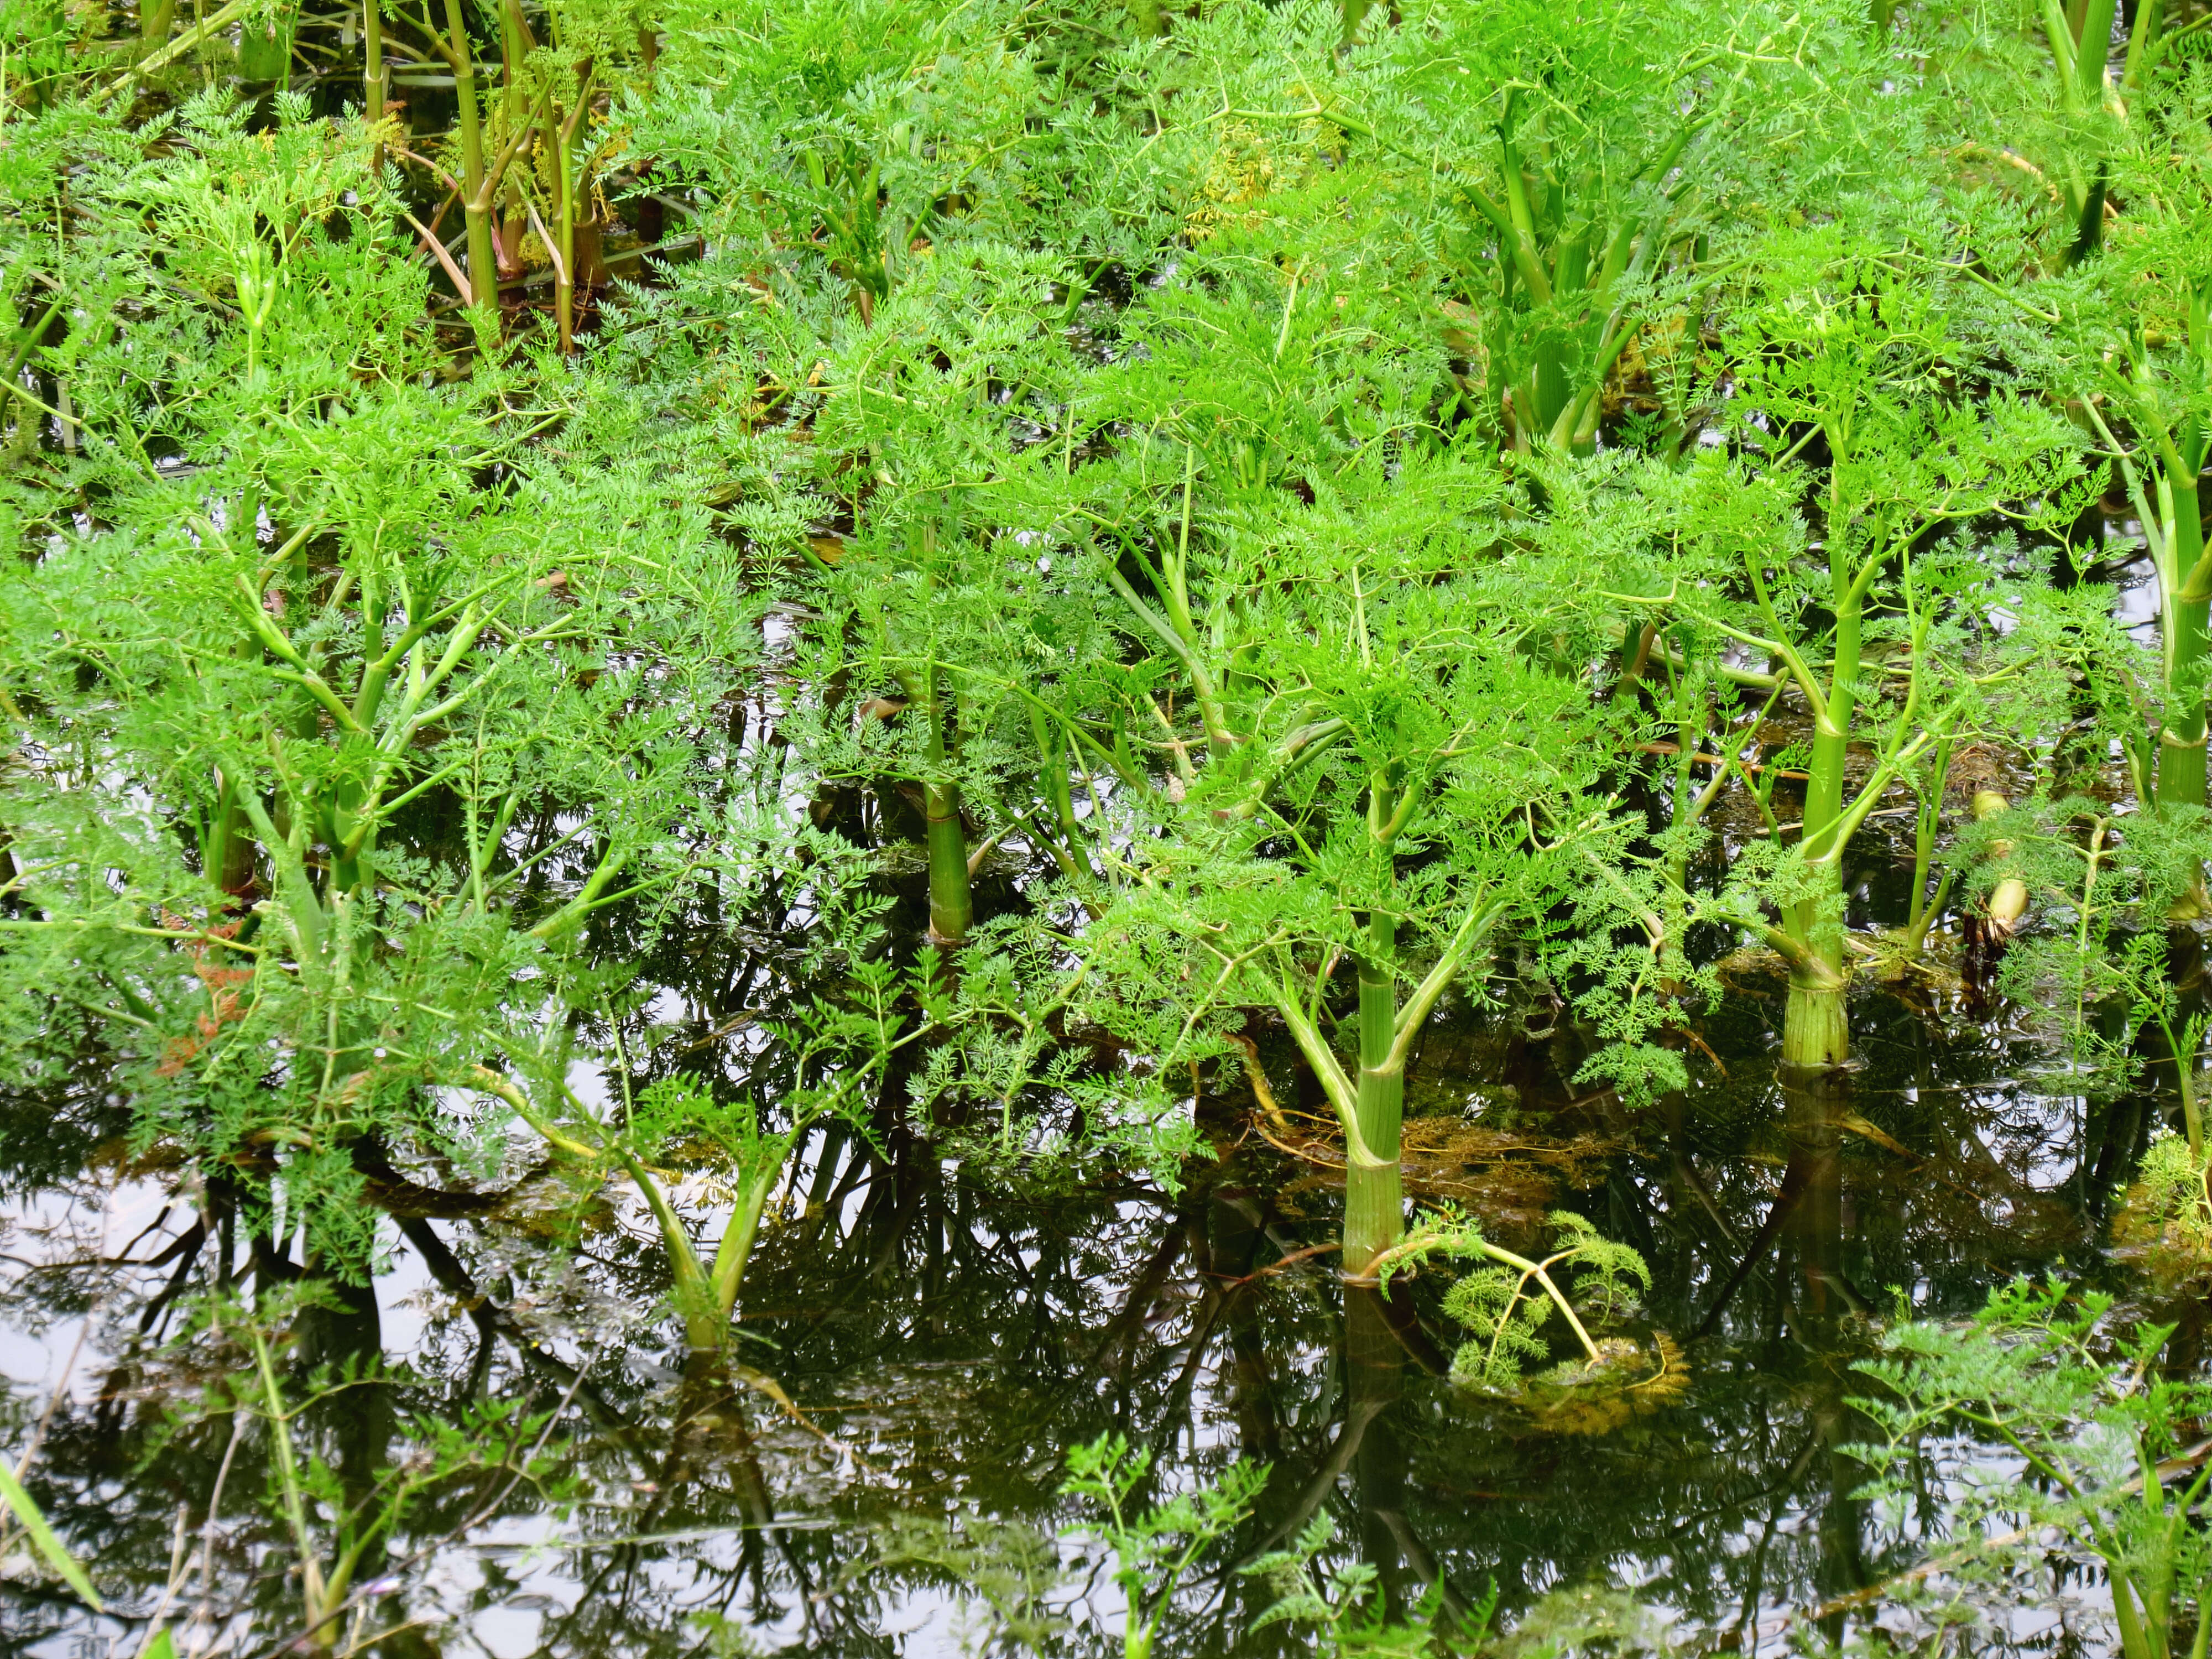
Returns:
(213, 23)
(1374, 1195)
(476, 202)
(1816, 1024)
(483, 1077)
(1927, 821)
(1816, 1030)
(952, 896)
(2188, 603)
(564, 265)
(704, 1328)
(2173, 523)
(728, 1272)
(371, 67)
(1428, 1243)
(2142, 41)
(43, 1536)
(2184, 1052)
(155, 21)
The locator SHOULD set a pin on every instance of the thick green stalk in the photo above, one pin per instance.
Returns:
(1374, 1191)
(1816, 1029)
(371, 71)
(2143, 37)
(228, 855)
(1374, 1195)
(2188, 597)
(728, 1273)
(512, 51)
(564, 265)
(475, 202)
(1815, 1026)
(951, 901)
(154, 20)
(2093, 40)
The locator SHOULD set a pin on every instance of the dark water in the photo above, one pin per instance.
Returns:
(946, 1339)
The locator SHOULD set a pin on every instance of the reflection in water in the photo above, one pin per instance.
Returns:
(1822, 1305)
(944, 1341)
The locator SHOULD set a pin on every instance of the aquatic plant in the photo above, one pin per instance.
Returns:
(1339, 1601)
(1153, 1548)
(1394, 722)
(1877, 619)
(2166, 1214)
(1498, 1303)
(2112, 966)
(2092, 1423)
(1119, 547)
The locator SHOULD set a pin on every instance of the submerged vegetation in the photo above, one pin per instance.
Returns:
(665, 660)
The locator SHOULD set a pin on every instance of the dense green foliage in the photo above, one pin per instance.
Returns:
(1125, 553)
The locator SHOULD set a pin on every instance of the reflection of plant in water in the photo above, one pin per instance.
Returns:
(1006, 1092)
(1593, 1401)
(1507, 1303)
(837, 1051)
(2167, 1213)
(1000, 1572)
(334, 1521)
(2093, 1440)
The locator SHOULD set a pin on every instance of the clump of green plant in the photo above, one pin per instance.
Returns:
(331, 743)
(679, 1120)
(1390, 769)
(1507, 1302)
(2086, 1424)
(2106, 968)
(1335, 1599)
(1153, 1548)
(2166, 1214)
(1861, 582)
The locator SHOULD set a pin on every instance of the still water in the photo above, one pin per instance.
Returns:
(923, 1345)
